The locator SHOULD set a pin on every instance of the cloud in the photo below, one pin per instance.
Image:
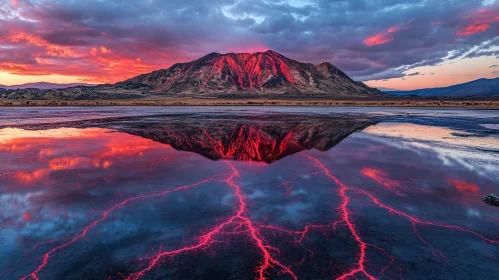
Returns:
(493, 66)
(478, 22)
(381, 38)
(414, 74)
(108, 41)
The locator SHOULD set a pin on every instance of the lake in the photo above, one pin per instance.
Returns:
(248, 193)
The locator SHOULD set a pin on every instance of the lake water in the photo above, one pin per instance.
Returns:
(248, 193)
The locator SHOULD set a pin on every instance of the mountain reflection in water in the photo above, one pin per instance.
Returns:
(122, 199)
(264, 138)
(253, 139)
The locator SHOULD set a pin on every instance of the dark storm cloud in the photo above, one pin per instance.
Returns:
(366, 39)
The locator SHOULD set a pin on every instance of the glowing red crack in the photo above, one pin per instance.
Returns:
(104, 216)
(345, 215)
(239, 220)
(362, 245)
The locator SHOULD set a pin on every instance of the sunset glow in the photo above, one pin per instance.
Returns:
(106, 42)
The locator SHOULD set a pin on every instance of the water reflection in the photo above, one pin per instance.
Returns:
(265, 139)
(116, 202)
(476, 152)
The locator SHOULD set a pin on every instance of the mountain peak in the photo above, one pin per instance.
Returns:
(260, 72)
(268, 52)
(271, 52)
(325, 64)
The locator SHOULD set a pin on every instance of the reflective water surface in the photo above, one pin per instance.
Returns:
(265, 197)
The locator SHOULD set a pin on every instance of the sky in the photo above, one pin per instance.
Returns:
(389, 44)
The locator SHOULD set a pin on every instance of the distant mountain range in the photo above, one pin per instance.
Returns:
(480, 87)
(44, 85)
(261, 73)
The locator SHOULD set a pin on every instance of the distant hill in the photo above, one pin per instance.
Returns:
(260, 73)
(44, 85)
(480, 87)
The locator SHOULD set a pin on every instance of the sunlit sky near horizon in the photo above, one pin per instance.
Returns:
(388, 44)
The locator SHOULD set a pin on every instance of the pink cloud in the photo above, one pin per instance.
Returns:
(479, 22)
(382, 38)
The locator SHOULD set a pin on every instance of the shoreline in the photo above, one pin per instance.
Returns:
(258, 102)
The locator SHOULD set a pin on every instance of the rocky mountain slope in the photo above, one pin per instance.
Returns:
(262, 72)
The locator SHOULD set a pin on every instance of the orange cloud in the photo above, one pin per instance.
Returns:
(104, 49)
(50, 49)
(472, 29)
(382, 38)
(95, 64)
(119, 148)
(462, 186)
(102, 156)
(106, 164)
(63, 163)
(30, 177)
(480, 21)
(46, 152)
(53, 165)
(97, 163)
(13, 147)
(393, 29)
(107, 150)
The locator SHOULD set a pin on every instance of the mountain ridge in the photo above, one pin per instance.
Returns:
(45, 85)
(262, 72)
(482, 87)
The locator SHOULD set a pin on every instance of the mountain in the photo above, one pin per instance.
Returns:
(261, 72)
(480, 87)
(44, 85)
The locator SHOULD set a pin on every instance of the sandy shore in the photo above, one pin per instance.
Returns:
(255, 102)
